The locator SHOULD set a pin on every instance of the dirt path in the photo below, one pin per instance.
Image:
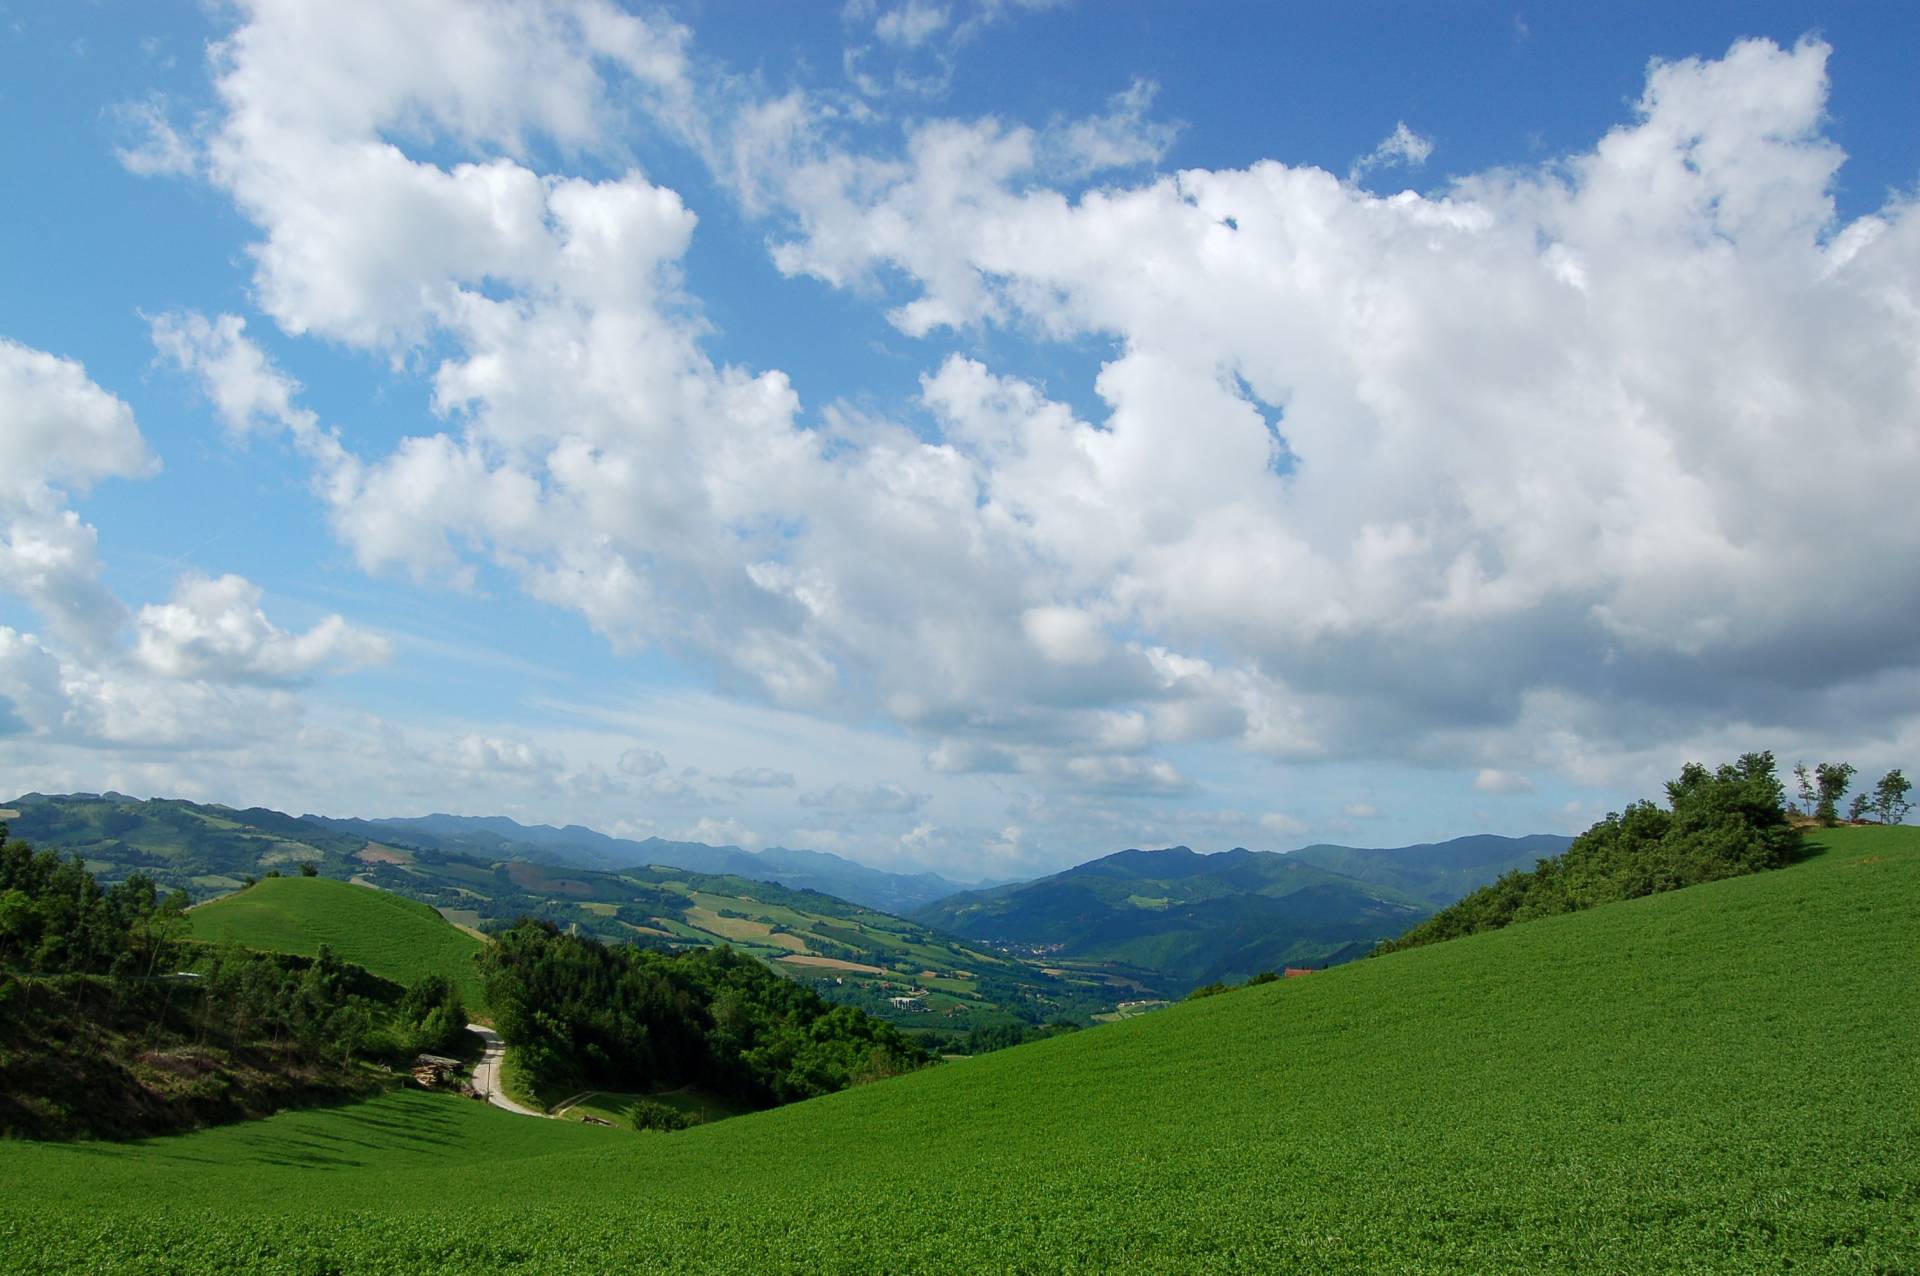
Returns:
(486, 1073)
(560, 1109)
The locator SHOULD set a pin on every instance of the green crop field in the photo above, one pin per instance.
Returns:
(1721, 1079)
(395, 938)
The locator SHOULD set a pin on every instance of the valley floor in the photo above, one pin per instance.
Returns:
(1725, 1078)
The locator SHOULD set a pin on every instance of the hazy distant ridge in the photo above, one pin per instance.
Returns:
(587, 848)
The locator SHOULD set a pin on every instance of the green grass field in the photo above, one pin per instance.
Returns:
(1722, 1079)
(394, 937)
(610, 1105)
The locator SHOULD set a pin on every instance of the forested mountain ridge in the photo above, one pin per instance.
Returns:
(1179, 919)
(1438, 872)
(205, 849)
(580, 847)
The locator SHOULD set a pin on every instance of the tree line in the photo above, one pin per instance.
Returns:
(93, 978)
(580, 1012)
(1821, 789)
(1721, 823)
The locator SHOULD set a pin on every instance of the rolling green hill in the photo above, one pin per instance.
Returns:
(1174, 919)
(1723, 1078)
(395, 938)
(847, 952)
(203, 850)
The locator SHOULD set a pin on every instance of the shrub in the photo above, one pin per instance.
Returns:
(651, 1114)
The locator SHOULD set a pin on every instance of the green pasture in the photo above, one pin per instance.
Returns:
(616, 1107)
(392, 936)
(1720, 1079)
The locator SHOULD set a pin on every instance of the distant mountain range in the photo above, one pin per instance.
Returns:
(1177, 919)
(479, 877)
(119, 834)
(579, 847)
(1142, 924)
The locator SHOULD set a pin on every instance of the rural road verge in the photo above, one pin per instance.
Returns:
(486, 1073)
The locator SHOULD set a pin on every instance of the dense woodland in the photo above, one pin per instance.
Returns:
(112, 1023)
(1720, 823)
(579, 1011)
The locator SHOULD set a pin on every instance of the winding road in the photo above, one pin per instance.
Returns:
(486, 1073)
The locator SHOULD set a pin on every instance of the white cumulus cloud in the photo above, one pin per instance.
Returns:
(215, 629)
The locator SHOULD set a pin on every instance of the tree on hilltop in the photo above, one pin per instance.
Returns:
(1833, 779)
(1804, 780)
(1890, 797)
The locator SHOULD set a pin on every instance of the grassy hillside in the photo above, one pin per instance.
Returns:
(1724, 1078)
(395, 938)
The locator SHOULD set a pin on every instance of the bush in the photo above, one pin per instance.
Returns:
(651, 1114)
(577, 1011)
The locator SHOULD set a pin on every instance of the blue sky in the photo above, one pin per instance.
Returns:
(971, 436)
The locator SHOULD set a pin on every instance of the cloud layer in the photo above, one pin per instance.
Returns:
(1558, 468)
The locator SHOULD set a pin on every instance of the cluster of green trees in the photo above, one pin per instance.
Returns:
(55, 918)
(1217, 987)
(58, 923)
(1720, 823)
(321, 1007)
(999, 1034)
(577, 1011)
(1820, 792)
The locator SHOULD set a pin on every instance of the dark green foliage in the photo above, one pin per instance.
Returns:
(1213, 989)
(115, 1056)
(308, 869)
(431, 1018)
(997, 1034)
(1719, 824)
(624, 1018)
(92, 1056)
(1890, 804)
(55, 918)
(651, 1114)
(1264, 977)
(989, 1037)
(327, 1007)
(1832, 779)
(104, 1033)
